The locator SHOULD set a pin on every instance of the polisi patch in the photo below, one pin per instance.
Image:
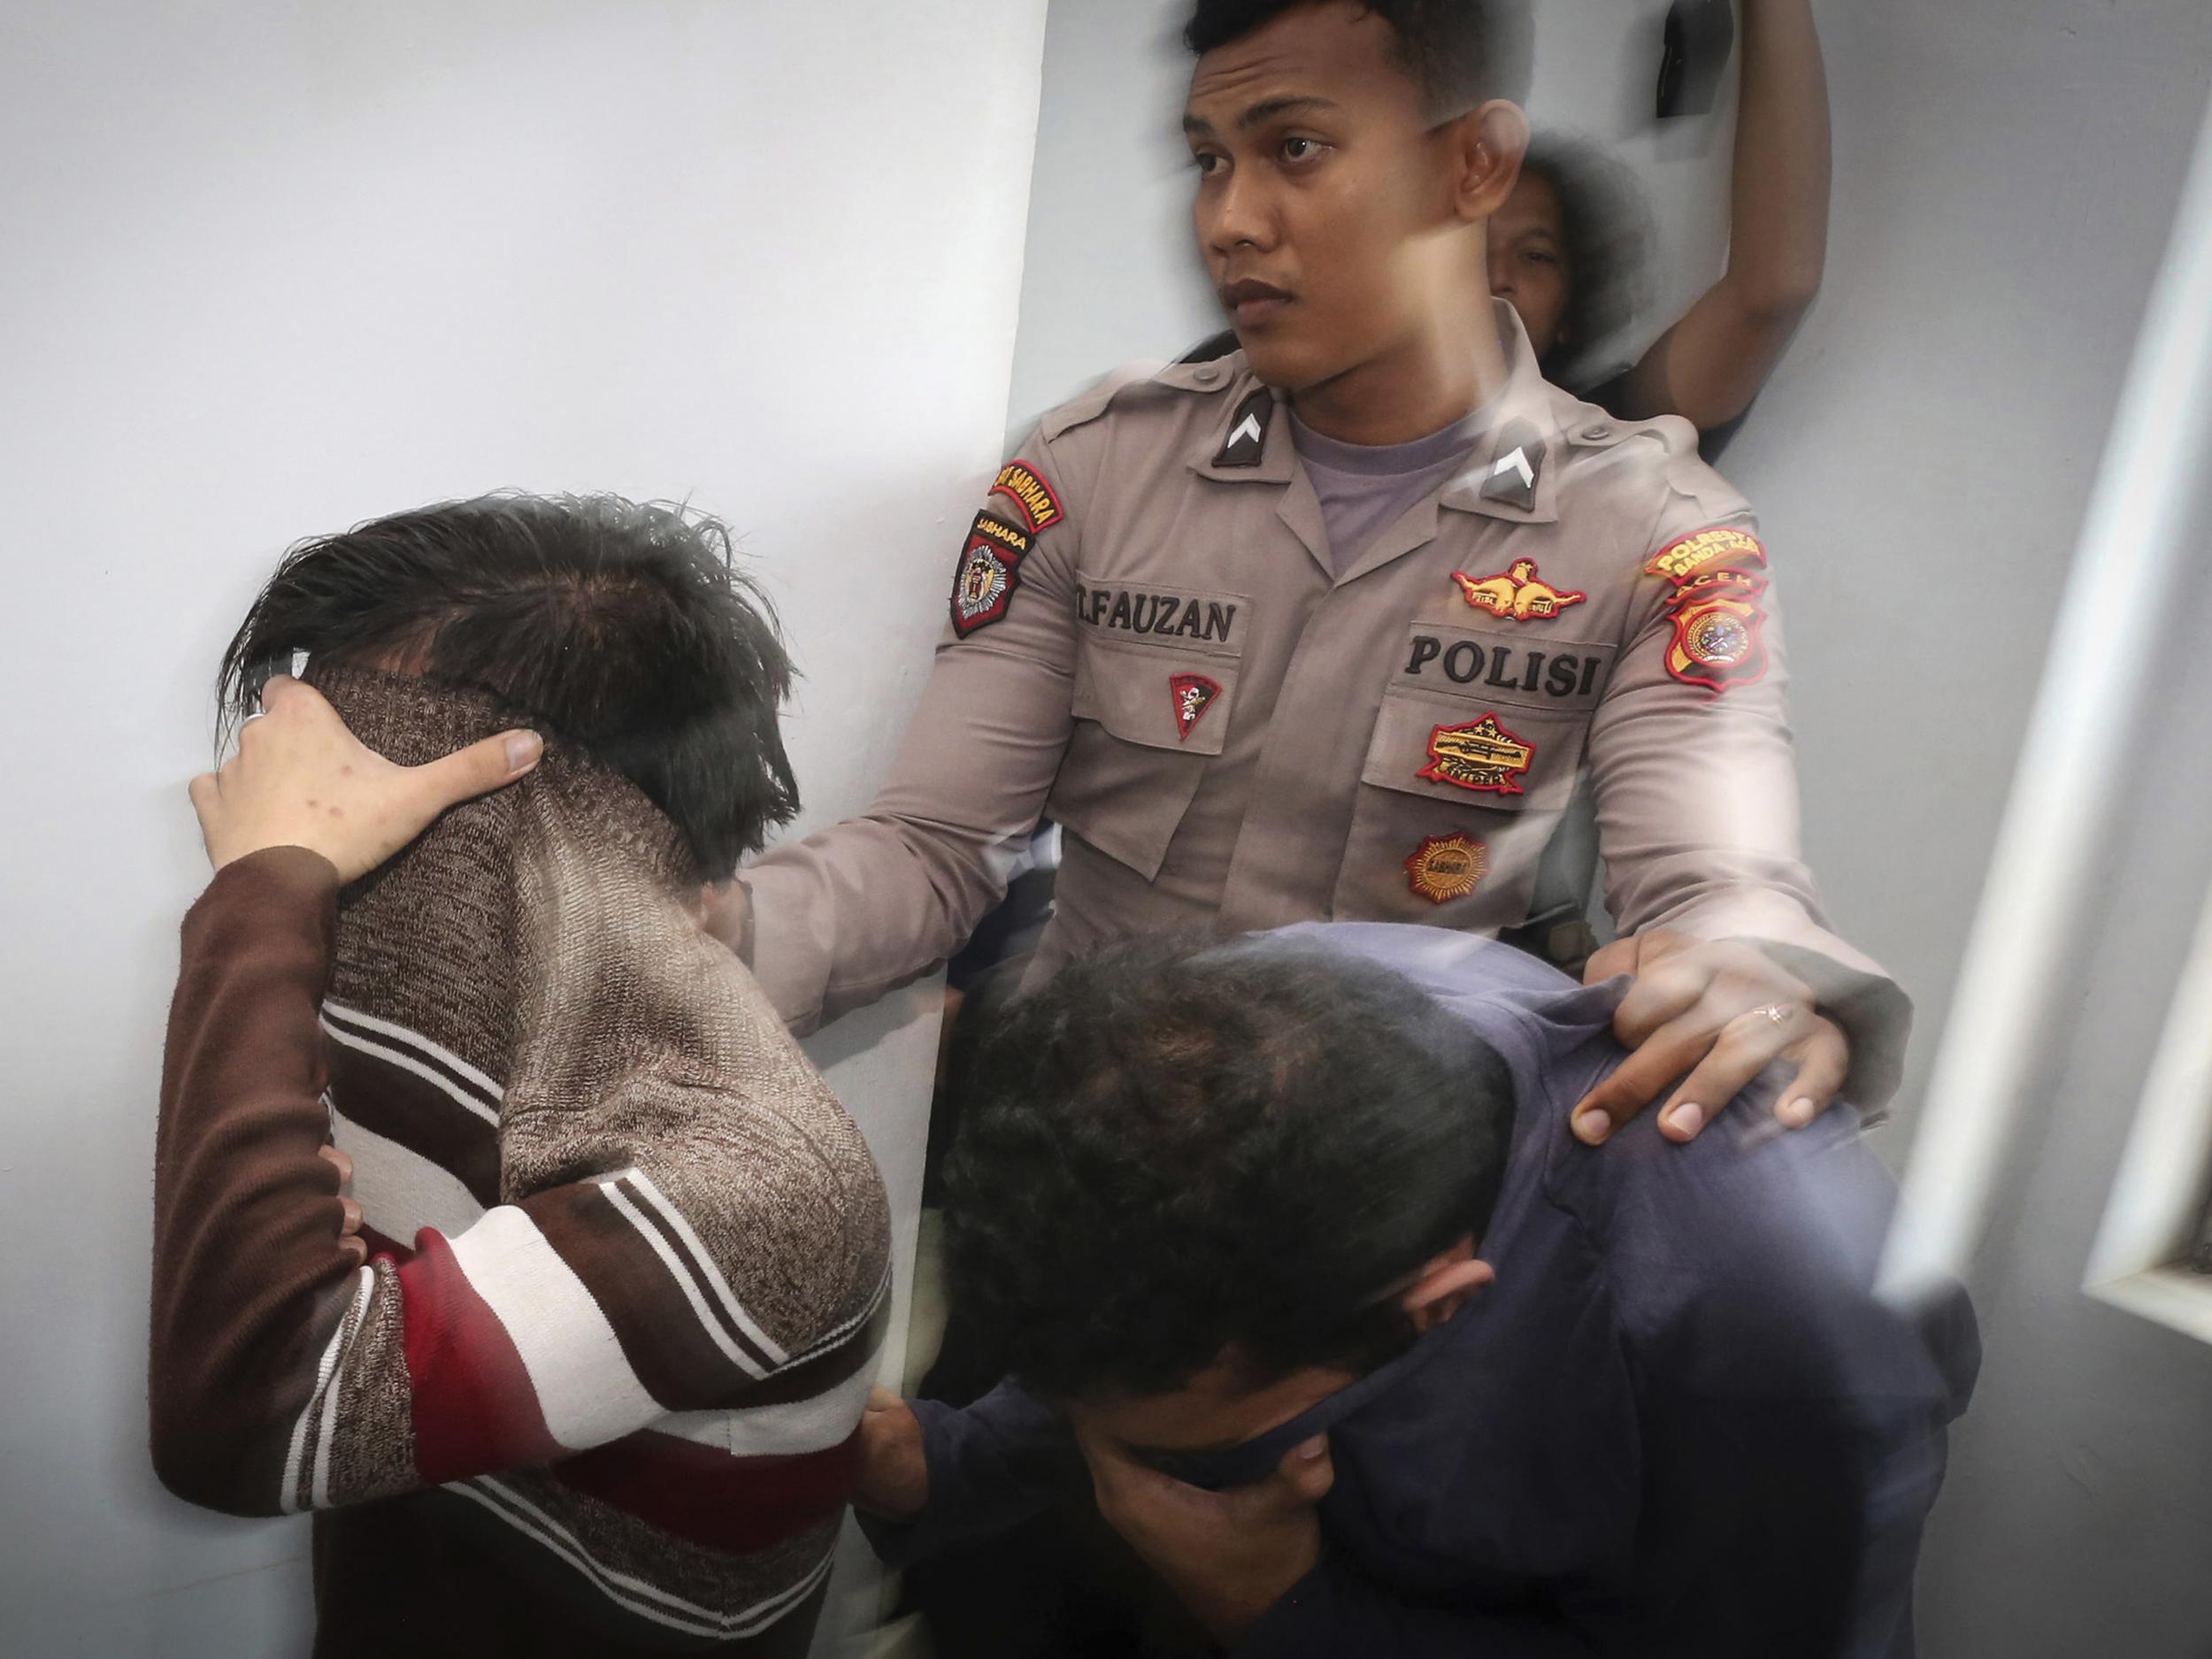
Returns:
(1679, 561)
(1246, 442)
(1481, 756)
(1194, 695)
(1041, 509)
(1516, 595)
(989, 575)
(1718, 643)
(1448, 867)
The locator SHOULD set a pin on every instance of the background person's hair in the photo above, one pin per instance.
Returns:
(1606, 228)
(1177, 1147)
(1461, 53)
(621, 627)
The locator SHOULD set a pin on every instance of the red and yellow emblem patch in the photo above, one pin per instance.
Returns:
(1448, 867)
(1516, 595)
(1717, 640)
(1194, 695)
(989, 575)
(1019, 484)
(1482, 756)
(1679, 561)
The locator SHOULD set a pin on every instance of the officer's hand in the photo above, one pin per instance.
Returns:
(300, 779)
(729, 916)
(1722, 1012)
(894, 1472)
(350, 1239)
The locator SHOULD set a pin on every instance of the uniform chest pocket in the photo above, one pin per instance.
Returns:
(1155, 692)
(1476, 748)
(1488, 718)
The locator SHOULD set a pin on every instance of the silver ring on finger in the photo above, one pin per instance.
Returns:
(1780, 1013)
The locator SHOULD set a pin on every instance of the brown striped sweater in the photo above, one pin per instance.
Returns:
(604, 1369)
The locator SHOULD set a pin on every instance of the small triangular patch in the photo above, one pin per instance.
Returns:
(1246, 442)
(1194, 695)
(1515, 466)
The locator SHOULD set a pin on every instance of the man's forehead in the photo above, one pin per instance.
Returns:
(1331, 52)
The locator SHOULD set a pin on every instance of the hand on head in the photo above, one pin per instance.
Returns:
(300, 779)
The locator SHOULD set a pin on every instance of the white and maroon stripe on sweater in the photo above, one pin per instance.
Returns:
(632, 1263)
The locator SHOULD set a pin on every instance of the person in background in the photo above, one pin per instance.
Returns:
(595, 1388)
(1291, 1267)
(1564, 247)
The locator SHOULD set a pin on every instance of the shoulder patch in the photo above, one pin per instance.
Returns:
(1680, 560)
(1027, 490)
(1718, 640)
(989, 573)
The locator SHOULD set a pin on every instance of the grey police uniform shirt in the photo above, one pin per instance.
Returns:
(1147, 641)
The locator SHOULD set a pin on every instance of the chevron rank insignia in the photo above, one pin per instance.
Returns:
(1448, 867)
(1194, 695)
(1514, 469)
(1021, 485)
(1246, 442)
(990, 574)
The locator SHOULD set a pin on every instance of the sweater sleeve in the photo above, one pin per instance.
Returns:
(284, 1378)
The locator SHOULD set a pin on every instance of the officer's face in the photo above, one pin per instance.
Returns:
(1528, 259)
(1327, 207)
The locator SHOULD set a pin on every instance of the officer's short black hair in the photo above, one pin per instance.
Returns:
(1461, 53)
(1179, 1148)
(622, 627)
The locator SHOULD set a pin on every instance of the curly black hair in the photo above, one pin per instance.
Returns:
(1607, 227)
(1179, 1150)
(621, 626)
(1461, 53)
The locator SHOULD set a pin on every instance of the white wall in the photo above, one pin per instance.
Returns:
(2006, 173)
(269, 269)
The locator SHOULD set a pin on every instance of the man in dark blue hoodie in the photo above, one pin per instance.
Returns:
(1294, 1263)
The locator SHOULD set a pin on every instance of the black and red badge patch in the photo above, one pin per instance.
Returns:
(1482, 756)
(1194, 695)
(1719, 642)
(1020, 484)
(990, 571)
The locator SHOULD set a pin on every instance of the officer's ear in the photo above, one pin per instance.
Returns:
(1488, 144)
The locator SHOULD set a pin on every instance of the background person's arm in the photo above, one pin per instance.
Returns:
(1709, 366)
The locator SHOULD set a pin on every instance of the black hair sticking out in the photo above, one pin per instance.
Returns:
(622, 627)
(1607, 229)
(1461, 53)
(1178, 1149)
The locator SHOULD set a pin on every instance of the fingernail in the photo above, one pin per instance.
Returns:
(1314, 1448)
(1688, 1119)
(1797, 1114)
(1592, 1128)
(523, 749)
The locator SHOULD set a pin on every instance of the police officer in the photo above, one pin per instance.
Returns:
(1331, 627)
